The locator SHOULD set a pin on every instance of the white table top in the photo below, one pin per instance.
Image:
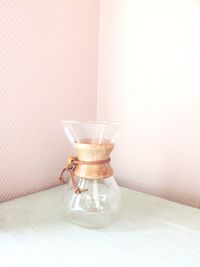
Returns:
(150, 231)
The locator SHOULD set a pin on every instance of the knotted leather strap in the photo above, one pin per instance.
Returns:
(71, 164)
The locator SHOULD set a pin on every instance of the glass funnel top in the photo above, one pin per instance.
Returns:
(91, 132)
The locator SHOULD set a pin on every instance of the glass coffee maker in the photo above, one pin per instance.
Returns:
(92, 198)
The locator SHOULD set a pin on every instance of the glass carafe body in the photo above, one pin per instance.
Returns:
(97, 207)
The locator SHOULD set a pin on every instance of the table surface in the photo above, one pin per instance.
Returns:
(150, 231)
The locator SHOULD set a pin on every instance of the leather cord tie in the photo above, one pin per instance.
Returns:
(72, 163)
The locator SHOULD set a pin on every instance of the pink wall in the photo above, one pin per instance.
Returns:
(148, 75)
(48, 72)
(149, 66)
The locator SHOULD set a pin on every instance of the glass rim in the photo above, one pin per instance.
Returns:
(90, 122)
